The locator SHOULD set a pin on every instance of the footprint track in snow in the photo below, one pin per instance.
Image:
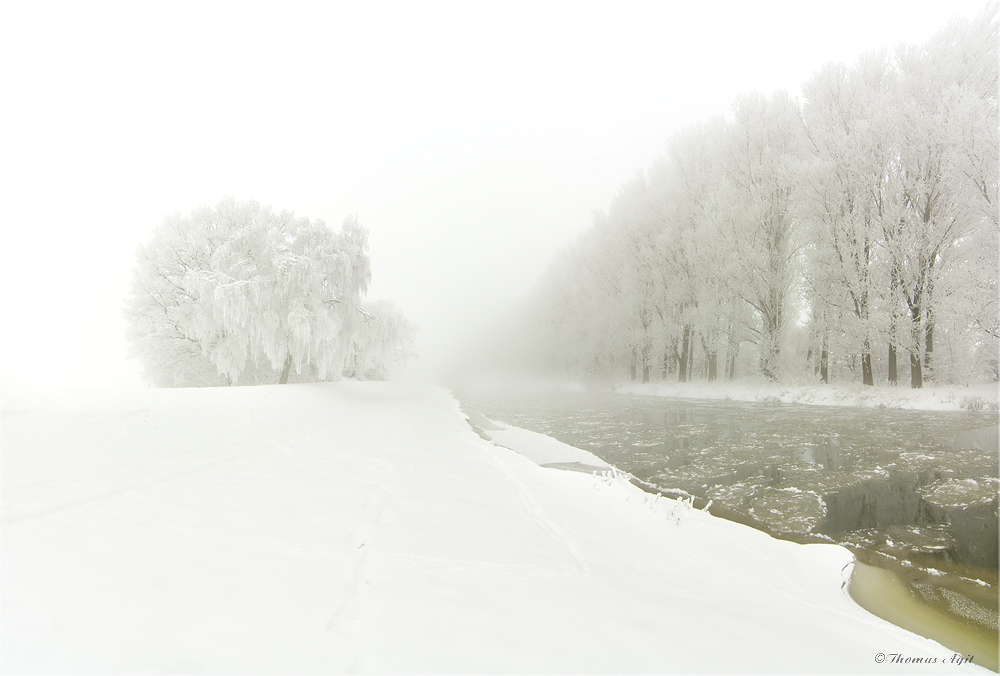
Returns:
(535, 512)
(359, 549)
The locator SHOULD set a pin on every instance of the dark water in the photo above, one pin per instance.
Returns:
(915, 491)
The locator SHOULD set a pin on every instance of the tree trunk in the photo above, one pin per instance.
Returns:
(916, 374)
(691, 355)
(916, 331)
(682, 368)
(824, 363)
(867, 378)
(769, 353)
(893, 300)
(644, 354)
(670, 353)
(285, 370)
(928, 372)
(928, 347)
(711, 359)
(767, 369)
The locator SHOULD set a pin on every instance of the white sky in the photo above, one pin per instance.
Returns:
(473, 139)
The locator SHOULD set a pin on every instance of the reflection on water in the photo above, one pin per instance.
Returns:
(916, 489)
(823, 451)
(966, 532)
(984, 439)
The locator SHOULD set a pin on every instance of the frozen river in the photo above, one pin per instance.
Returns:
(913, 491)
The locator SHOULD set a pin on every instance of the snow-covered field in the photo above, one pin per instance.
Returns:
(367, 527)
(983, 397)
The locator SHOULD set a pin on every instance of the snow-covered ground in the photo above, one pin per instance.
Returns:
(982, 397)
(367, 527)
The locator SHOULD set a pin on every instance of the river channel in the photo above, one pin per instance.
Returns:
(913, 492)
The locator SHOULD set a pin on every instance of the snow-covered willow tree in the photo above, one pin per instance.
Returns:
(384, 338)
(242, 295)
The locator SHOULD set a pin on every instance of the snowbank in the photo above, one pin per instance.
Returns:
(540, 449)
(982, 397)
(367, 527)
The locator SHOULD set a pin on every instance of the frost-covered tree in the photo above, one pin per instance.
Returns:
(635, 262)
(947, 116)
(759, 168)
(384, 339)
(242, 295)
(847, 196)
(160, 311)
(691, 250)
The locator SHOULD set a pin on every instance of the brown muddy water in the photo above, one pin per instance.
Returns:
(912, 493)
(882, 593)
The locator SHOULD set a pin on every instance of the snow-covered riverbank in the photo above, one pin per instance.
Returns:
(982, 397)
(367, 527)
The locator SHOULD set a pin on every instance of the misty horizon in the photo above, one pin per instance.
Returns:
(474, 143)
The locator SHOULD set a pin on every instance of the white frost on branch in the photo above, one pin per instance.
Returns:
(384, 339)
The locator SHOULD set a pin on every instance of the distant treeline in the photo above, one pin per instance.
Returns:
(852, 234)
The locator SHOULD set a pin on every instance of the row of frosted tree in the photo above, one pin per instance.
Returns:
(852, 233)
